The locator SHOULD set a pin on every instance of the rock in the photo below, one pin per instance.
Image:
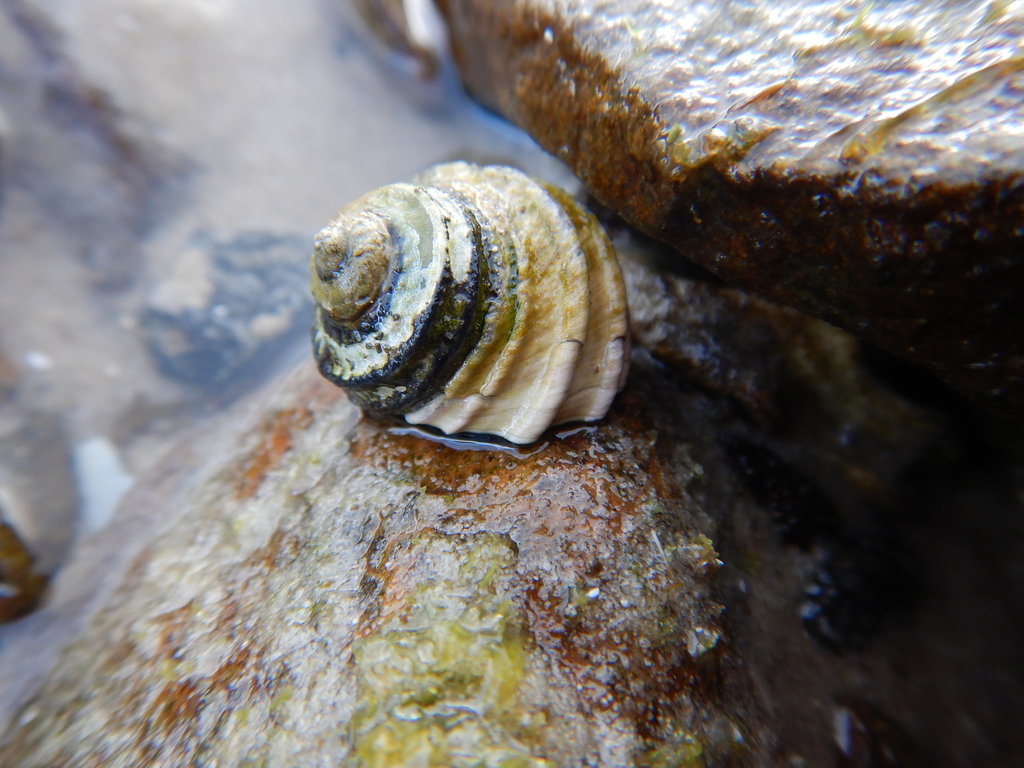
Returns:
(21, 586)
(802, 382)
(329, 589)
(861, 164)
(358, 592)
(230, 303)
(790, 373)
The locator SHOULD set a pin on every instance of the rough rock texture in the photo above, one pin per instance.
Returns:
(861, 162)
(334, 591)
(338, 590)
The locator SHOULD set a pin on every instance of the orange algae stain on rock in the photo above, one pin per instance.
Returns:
(166, 702)
(169, 693)
(233, 670)
(177, 704)
(442, 471)
(276, 437)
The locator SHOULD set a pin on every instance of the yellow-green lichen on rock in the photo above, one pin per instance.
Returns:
(682, 752)
(438, 678)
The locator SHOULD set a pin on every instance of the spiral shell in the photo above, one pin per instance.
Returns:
(474, 300)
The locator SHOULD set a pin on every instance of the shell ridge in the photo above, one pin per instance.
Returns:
(552, 287)
(593, 401)
(523, 426)
(604, 360)
(504, 303)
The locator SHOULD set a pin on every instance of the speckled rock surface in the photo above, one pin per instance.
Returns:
(326, 590)
(339, 591)
(861, 162)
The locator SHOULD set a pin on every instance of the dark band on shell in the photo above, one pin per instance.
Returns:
(474, 300)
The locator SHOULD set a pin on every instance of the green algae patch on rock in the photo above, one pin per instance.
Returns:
(439, 679)
(685, 752)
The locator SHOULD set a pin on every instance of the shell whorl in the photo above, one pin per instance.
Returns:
(473, 300)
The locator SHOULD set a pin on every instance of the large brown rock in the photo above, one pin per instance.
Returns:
(325, 590)
(861, 163)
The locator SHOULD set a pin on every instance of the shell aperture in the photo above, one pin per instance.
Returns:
(473, 300)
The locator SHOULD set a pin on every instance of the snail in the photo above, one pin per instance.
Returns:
(474, 300)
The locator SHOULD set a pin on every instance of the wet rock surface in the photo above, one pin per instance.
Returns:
(334, 590)
(859, 162)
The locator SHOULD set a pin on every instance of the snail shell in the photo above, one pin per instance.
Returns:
(473, 300)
